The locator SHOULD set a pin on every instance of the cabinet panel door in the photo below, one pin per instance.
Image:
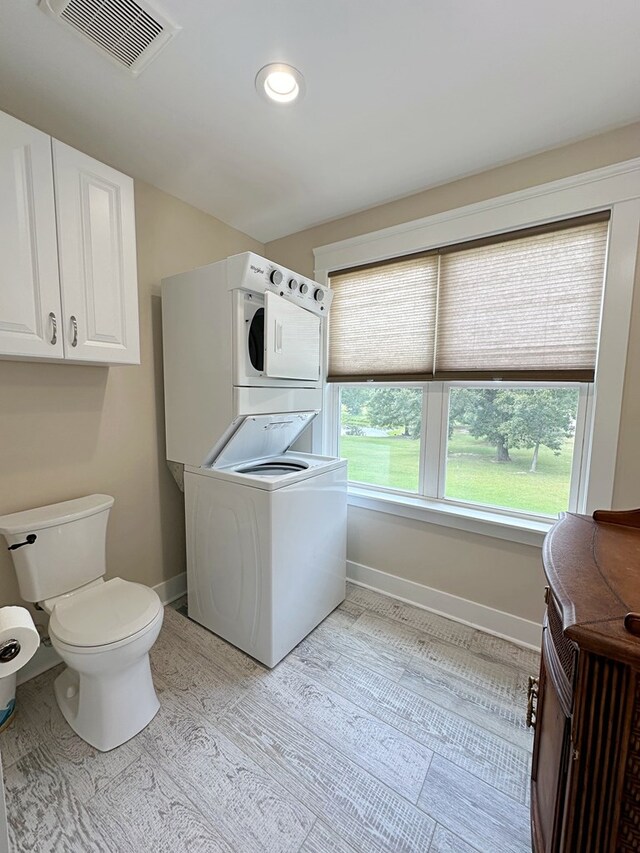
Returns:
(4, 830)
(551, 747)
(97, 247)
(29, 287)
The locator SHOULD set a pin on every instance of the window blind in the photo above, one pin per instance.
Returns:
(523, 305)
(381, 321)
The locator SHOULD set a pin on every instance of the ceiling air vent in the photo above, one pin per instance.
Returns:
(130, 32)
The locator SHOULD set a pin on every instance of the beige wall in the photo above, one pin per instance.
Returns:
(493, 572)
(67, 430)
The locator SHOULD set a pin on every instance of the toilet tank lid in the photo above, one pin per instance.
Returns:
(54, 514)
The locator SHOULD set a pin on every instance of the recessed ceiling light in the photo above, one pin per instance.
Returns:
(280, 83)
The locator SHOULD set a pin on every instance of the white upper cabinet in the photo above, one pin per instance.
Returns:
(67, 253)
(30, 315)
(97, 248)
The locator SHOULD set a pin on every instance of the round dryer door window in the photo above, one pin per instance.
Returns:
(256, 340)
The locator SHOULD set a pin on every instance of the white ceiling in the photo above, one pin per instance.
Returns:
(401, 95)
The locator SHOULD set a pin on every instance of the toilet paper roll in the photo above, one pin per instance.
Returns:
(19, 639)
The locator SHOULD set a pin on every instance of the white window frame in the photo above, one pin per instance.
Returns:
(433, 456)
(616, 188)
(436, 463)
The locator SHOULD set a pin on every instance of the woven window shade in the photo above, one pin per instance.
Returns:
(382, 321)
(524, 305)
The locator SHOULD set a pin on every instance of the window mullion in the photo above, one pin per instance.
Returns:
(431, 451)
(582, 440)
(331, 420)
(444, 438)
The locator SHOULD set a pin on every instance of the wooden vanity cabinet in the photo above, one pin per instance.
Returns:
(585, 705)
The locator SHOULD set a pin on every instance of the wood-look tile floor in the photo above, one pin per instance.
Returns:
(387, 729)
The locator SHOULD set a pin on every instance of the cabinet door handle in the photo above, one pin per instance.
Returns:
(532, 702)
(54, 325)
(632, 623)
(74, 323)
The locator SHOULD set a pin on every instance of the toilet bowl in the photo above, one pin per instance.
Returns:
(102, 630)
(104, 634)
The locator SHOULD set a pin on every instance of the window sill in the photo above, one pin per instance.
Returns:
(473, 520)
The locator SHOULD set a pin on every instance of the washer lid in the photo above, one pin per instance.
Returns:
(104, 613)
(261, 436)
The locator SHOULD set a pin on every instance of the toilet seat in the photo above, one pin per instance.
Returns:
(104, 614)
(65, 649)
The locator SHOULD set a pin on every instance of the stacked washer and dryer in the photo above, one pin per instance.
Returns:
(266, 526)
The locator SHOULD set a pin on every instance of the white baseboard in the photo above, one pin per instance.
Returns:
(174, 588)
(497, 622)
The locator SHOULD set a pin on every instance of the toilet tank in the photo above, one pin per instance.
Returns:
(65, 545)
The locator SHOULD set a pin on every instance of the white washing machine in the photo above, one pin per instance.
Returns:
(266, 537)
(266, 528)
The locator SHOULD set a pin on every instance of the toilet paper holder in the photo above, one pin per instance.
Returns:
(9, 650)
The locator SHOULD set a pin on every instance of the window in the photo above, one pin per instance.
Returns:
(380, 435)
(514, 448)
(464, 374)
(599, 419)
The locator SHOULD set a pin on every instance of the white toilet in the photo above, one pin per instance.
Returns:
(103, 630)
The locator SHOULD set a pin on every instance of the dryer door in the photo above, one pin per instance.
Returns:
(291, 340)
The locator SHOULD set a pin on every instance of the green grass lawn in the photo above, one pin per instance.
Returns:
(389, 461)
(472, 472)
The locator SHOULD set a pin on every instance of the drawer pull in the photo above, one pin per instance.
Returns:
(532, 702)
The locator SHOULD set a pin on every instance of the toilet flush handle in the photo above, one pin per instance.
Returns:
(31, 538)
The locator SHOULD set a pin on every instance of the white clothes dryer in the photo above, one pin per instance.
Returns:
(241, 337)
(266, 537)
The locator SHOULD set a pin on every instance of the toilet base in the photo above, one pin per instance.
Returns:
(109, 709)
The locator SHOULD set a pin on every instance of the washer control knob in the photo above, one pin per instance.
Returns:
(318, 295)
(276, 277)
(293, 284)
(304, 287)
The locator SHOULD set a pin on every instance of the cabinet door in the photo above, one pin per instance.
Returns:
(550, 758)
(97, 249)
(4, 830)
(29, 287)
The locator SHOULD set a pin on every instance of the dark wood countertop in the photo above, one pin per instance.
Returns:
(592, 565)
